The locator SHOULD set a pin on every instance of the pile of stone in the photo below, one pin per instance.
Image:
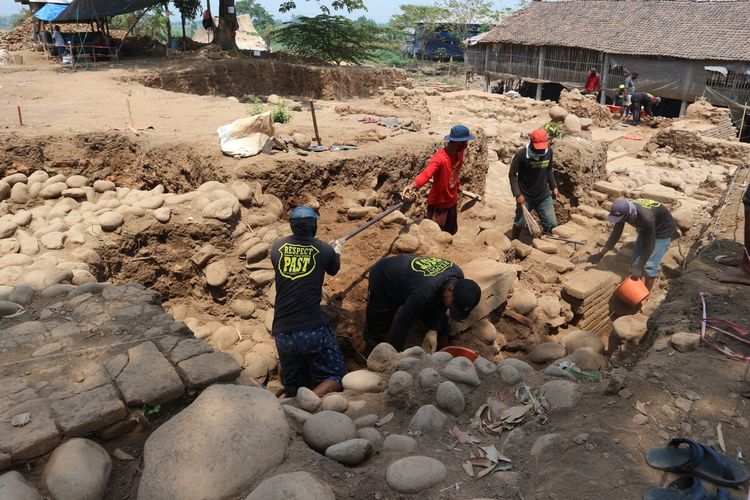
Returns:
(589, 294)
(86, 359)
(585, 107)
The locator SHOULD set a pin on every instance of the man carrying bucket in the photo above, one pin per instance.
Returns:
(655, 227)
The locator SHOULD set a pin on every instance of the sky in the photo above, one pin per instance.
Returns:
(379, 10)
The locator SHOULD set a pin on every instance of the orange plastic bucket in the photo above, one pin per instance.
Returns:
(457, 351)
(632, 291)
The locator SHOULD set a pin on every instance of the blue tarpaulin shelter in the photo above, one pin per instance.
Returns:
(50, 12)
(89, 10)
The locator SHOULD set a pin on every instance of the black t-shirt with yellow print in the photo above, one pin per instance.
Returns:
(415, 284)
(300, 265)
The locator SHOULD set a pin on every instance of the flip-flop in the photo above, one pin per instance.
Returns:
(699, 460)
(684, 488)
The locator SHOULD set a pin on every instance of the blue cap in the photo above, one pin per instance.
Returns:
(460, 133)
(302, 212)
(620, 209)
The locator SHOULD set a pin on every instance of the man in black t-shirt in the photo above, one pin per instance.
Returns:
(655, 227)
(533, 183)
(308, 351)
(422, 288)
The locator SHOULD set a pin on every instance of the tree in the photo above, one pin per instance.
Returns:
(467, 15)
(224, 34)
(349, 5)
(332, 38)
(423, 19)
(189, 9)
(261, 17)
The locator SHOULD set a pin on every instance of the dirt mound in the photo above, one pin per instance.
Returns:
(579, 163)
(585, 107)
(705, 111)
(106, 154)
(229, 77)
(693, 144)
(19, 38)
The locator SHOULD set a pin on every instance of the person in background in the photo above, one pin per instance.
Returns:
(655, 227)
(444, 169)
(59, 41)
(308, 351)
(628, 96)
(648, 101)
(620, 97)
(533, 183)
(593, 82)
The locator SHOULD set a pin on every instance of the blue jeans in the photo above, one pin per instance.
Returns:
(546, 210)
(308, 357)
(653, 264)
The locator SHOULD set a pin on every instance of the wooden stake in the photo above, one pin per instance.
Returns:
(315, 123)
(20, 118)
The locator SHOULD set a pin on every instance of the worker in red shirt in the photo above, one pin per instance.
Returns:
(444, 170)
(593, 82)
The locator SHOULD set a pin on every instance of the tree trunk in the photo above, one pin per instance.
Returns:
(169, 26)
(224, 33)
(184, 36)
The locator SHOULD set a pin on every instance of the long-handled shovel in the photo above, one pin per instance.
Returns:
(367, 224)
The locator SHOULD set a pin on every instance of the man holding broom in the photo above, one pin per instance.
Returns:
(533, 182)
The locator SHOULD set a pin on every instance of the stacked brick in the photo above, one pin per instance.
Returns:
(589, 294)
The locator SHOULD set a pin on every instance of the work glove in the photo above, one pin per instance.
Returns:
(596, 258)
(430, 342)
(337, 246)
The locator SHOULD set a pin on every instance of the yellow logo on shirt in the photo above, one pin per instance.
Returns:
(646, 203)
(297, 261)
(540, 164)
(430, 266)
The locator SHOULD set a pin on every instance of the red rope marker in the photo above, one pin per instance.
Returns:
(20, 118)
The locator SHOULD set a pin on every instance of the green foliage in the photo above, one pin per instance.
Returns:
(466, 15)
(152, 25)
(256, 106)
(280, 113)
(189, 9)
(349, 5)
(418, 22)
(333, 39)
(262, 19)
(554, 129)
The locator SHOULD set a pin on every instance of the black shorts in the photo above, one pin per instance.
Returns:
(746, 198)
(446, 218)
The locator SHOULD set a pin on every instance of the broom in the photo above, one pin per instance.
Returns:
(531, 224)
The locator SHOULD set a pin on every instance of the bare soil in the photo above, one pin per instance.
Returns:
(74, 134)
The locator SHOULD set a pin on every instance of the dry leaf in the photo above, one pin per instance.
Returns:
(121, 455)
(720, 436)
(384, 420)
(491, 453)
(503, 466)
(515, 414)
(463, 437)
(484, 472)
(468, 469)
(481, 462)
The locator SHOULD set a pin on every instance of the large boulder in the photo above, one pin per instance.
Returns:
(78, 470)
(495, 279)
(580, 161)
(13, 486)
(292, 485)
(226, 439)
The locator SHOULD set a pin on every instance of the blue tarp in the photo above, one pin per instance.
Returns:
(50, 12)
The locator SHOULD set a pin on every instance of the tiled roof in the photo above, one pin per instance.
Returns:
(688, 29)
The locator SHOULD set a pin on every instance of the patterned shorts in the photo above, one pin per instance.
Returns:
(308, 357)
